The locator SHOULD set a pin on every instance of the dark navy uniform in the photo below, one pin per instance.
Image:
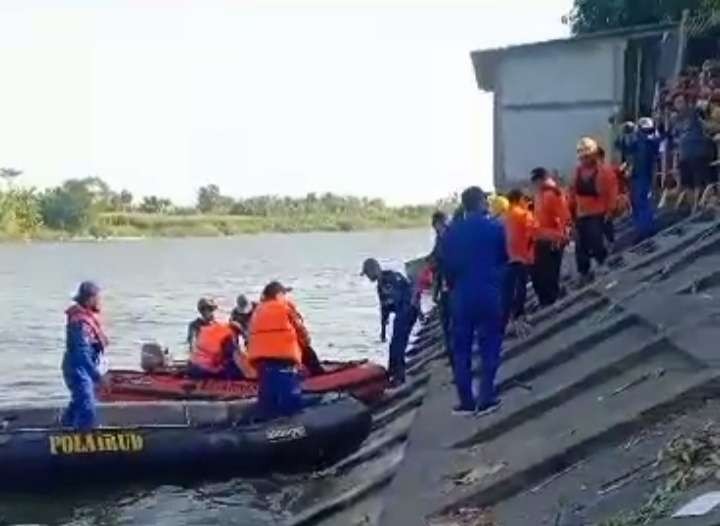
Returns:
(397, 297)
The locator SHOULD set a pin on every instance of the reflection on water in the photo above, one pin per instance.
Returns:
(151, 288)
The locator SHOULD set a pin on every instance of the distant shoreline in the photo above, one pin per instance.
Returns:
(139, 226)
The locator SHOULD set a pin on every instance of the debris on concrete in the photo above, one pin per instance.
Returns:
(685, 462)
(465, 517)
(556, 476)
(472, 476)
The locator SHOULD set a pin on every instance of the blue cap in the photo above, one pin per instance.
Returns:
(86, 290)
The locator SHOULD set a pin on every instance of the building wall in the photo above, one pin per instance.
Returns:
(547, 137)
(549, 96)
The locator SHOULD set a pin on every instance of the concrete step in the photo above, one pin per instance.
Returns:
(528, 393)
(574, 430)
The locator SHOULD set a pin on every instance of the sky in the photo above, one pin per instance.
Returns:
(277, 97)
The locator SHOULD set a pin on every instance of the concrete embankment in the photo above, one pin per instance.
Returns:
(607, 377)
(630, 354)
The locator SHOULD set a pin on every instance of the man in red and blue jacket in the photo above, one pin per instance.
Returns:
(85, 343)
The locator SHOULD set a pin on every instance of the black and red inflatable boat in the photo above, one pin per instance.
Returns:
(159, 440)
(365, 381)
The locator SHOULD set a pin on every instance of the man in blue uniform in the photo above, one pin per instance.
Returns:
(440, 286)
(475, 259)
(641, 147)
(397, 296)
(85, 343)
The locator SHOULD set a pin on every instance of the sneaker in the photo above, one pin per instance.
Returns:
(460, 410)
(488, 409)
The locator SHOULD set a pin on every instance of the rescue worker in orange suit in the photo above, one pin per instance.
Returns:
(615, 181)
(593, 199)
(520, 230)
(85, 343)
(274, 349)
(552, 217)
(213, 349)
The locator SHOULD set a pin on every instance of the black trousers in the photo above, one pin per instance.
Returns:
(516, 279)
(609, 231)
(590, 242)
(545, 272)
(443, 304)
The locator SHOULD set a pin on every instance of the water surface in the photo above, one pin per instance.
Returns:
(151, 288)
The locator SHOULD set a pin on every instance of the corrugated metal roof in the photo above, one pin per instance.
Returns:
(485, 61)
(634, 31)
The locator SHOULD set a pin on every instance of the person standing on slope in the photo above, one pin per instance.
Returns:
(396, 296)
(475, 256)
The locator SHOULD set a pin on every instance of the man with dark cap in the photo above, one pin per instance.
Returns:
(277, 336)
(85, 343)
(552, 215)
(475, 257)
(396, 296)
(206, 309)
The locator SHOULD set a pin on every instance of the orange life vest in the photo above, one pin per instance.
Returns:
(272, 334)
(209, 352)
(520, 229)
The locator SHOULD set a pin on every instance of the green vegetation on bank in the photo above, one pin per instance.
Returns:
(90, 208)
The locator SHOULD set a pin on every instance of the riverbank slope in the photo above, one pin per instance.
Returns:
(607, 378)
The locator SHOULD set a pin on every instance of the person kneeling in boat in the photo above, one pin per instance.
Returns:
(275, 351)
(85, 343)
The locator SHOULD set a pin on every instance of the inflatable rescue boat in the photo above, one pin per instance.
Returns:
(365, 381)
(162, 439)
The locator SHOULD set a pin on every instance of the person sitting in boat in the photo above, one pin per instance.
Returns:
(213, 353)
(241, 314)
(275, 350)
(85, 343)
(396, 296)
(206, 308)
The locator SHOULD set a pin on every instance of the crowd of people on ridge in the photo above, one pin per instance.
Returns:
(494, 246)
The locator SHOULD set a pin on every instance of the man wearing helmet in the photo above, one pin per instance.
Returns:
(593, 199)
(641, 146)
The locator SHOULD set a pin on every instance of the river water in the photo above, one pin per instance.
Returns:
(150, 291)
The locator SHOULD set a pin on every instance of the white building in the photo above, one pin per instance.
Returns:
(548, 95)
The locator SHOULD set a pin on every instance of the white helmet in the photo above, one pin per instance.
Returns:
(646, 124)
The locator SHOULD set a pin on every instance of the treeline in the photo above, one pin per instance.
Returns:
(588, 16)
(90, 207)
